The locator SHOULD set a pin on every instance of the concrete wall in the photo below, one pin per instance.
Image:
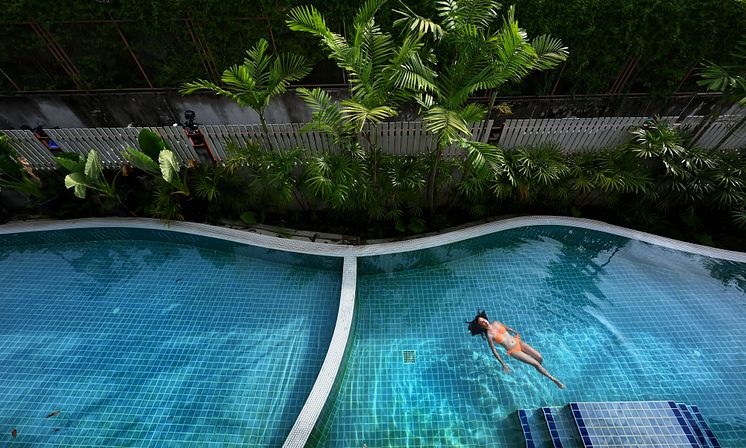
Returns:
(138, 108)
(163, 108)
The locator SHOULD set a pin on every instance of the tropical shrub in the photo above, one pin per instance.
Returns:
(15, 172)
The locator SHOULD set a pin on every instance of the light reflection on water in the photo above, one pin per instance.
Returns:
(615, 320)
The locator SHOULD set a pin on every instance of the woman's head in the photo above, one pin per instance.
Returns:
(478, 326)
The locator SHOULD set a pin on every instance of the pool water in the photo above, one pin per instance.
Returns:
(143, 338)
(615, 320)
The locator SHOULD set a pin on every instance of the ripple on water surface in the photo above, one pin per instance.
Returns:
(615, 319)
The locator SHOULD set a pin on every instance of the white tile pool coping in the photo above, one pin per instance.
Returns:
(322, 387)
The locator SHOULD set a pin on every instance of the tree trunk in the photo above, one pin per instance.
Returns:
(265, 129)
(431, 184)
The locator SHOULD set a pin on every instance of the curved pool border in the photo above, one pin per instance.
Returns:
(316, 399)
(345, 250)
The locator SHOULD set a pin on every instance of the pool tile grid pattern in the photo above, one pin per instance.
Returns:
(308, 416)
(150, 344)
(534, 428)
(620, 424)
(335, 250)
(562, 427)
(604, 318)
(693, 425)
(712, 440)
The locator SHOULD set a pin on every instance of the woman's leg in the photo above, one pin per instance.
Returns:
(532, 352)
(519, 355)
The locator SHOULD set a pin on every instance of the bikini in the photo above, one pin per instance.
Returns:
(500, 331)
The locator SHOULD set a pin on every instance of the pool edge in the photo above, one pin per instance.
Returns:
(342, 250)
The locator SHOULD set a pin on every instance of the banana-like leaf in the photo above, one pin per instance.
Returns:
(151, 143)
(141, 161)
(71, 162)
(169, 167)
(79, 182)
(93, 169)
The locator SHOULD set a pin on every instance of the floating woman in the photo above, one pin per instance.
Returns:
(498, 332)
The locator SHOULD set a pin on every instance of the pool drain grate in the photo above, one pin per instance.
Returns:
(409, 356)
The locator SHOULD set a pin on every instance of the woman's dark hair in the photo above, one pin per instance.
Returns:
(474, 327)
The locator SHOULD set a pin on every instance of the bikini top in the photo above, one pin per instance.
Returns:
(500, 332)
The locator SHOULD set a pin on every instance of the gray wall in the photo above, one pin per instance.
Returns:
(139, 108)
(163, 108)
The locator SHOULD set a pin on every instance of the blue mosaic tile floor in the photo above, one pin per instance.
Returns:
(154, 343)
(616, 320)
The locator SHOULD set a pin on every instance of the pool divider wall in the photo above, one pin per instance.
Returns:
(322, 388)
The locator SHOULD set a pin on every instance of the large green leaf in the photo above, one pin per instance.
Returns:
(70, 161)
(141, 161)
(151, 143)
(93, 169)
(169, 167)
(9, 159)
(79, 182)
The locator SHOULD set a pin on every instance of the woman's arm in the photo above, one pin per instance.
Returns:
(510, 329)
(494, 352)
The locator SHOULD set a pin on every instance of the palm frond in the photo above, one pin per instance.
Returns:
(460, 14)
(257, 60)
(718, 78)
(327, 113)
(447, 124)
(307, 19)
(473, 112)
(364, 19)
(479, 155)
(358, 114)
(287, 68)
(550, 52)
(420, 25)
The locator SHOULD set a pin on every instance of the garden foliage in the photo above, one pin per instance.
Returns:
(667, 37)
(434, 63)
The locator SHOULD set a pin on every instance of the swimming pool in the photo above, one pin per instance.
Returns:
(158, 338)
(152, 338)
(616, 319)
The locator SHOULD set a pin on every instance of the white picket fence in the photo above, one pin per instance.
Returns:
(574, 134)
(397, 138)
(716, 131)
(568, 133)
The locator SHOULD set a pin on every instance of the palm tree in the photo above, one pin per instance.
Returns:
(476, 58)
(254, 83)
(383, 74)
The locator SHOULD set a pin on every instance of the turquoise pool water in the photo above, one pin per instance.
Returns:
(143, 338)
(615, 320)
